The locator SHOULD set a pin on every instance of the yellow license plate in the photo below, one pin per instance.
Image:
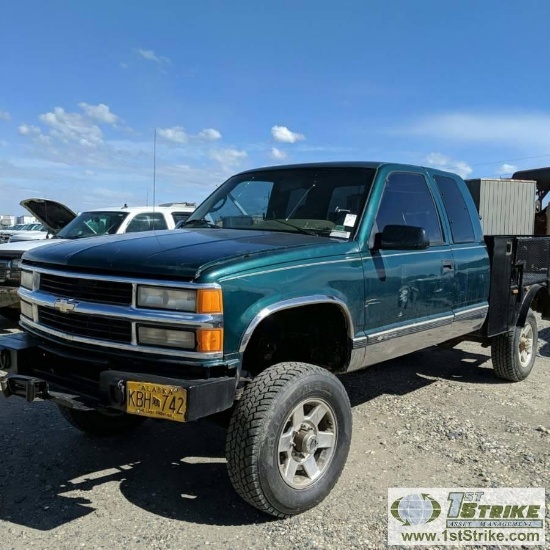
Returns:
(156, 400)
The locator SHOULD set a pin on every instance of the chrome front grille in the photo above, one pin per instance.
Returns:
(88, 290)
(90, 326)
(100, 310)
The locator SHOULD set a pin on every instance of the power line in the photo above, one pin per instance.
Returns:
(510, 160)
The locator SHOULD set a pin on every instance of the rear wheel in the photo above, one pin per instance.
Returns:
(514, 353)
(100, 424)
(289, 438)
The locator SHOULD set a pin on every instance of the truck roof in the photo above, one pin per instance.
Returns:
(342, 164)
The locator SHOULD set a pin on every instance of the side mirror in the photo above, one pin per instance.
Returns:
(403, 237)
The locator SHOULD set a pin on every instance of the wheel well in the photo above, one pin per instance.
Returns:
(541, 303)
(315, 334)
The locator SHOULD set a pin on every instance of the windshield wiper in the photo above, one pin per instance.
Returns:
(295, 227)
(199, 223)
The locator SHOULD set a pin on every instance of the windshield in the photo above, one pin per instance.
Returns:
(92, 224)
(319, 201)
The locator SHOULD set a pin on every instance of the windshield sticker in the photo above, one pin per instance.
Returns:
(350, 220)
(340, 234)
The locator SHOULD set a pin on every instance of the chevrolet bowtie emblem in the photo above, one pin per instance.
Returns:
(64, 305)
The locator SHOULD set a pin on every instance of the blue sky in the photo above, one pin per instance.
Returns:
(462, 86)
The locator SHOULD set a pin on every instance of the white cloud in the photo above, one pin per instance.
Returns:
(100, 113)
(4, 115)
(228, 157)
(506, 169)
(177, 134)
(150, 55)
(72, 127)
(277, 154)
(524, 131)
(284, 135)
(443, 162)
(28, 130)
(209, 134)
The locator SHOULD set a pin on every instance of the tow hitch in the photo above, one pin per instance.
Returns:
(24, 386)
(32, 388)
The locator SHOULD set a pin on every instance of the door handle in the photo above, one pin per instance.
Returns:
(447, 266)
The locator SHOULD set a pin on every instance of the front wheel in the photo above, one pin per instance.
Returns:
(514, 353)
(100, 424)
(289, 438)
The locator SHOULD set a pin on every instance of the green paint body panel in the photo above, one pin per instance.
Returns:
(259, 269)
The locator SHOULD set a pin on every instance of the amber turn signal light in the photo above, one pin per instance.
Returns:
(209, 340)
(209, 300)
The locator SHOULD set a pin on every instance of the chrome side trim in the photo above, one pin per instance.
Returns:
(292, 303)
(405, 344)
(469, 319)
(357, 359)
(180, 354)
(113, 278)
(398, 341)
(405, 330)
(358, 343)
(179, 318)
(472, 313)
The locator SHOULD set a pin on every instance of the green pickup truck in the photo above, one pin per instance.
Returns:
(282, 279)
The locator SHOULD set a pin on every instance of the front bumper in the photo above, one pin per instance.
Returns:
(8, 296)
(33, 373)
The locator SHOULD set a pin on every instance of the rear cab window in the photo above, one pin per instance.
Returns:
(147, 221)
(462, 230)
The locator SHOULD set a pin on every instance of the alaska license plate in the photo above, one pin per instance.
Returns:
(156, 400)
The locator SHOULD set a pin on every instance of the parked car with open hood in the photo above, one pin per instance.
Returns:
(63, 224)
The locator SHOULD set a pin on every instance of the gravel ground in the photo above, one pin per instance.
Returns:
(435, 418)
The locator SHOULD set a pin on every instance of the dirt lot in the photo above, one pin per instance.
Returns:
(435, 418)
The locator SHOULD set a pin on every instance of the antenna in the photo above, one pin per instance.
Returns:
(154, 168)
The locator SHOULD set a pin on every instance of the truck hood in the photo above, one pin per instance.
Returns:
(23, 246)
(175, 253)
(51, 214)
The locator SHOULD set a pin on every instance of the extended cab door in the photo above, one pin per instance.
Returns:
(470, 258)
(409, 293)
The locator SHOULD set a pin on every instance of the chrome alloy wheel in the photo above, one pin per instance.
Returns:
(307, 443)
(525, 347)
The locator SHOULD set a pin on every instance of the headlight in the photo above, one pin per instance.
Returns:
(166, 298)
(166, 338)
(27, 279)
(14, 273)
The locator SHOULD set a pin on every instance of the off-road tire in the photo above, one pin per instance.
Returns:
(99, 424)
(257, 429)
(505, 351)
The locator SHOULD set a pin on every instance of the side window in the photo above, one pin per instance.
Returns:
(457, 211)
(407, 201)
(146, 222)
